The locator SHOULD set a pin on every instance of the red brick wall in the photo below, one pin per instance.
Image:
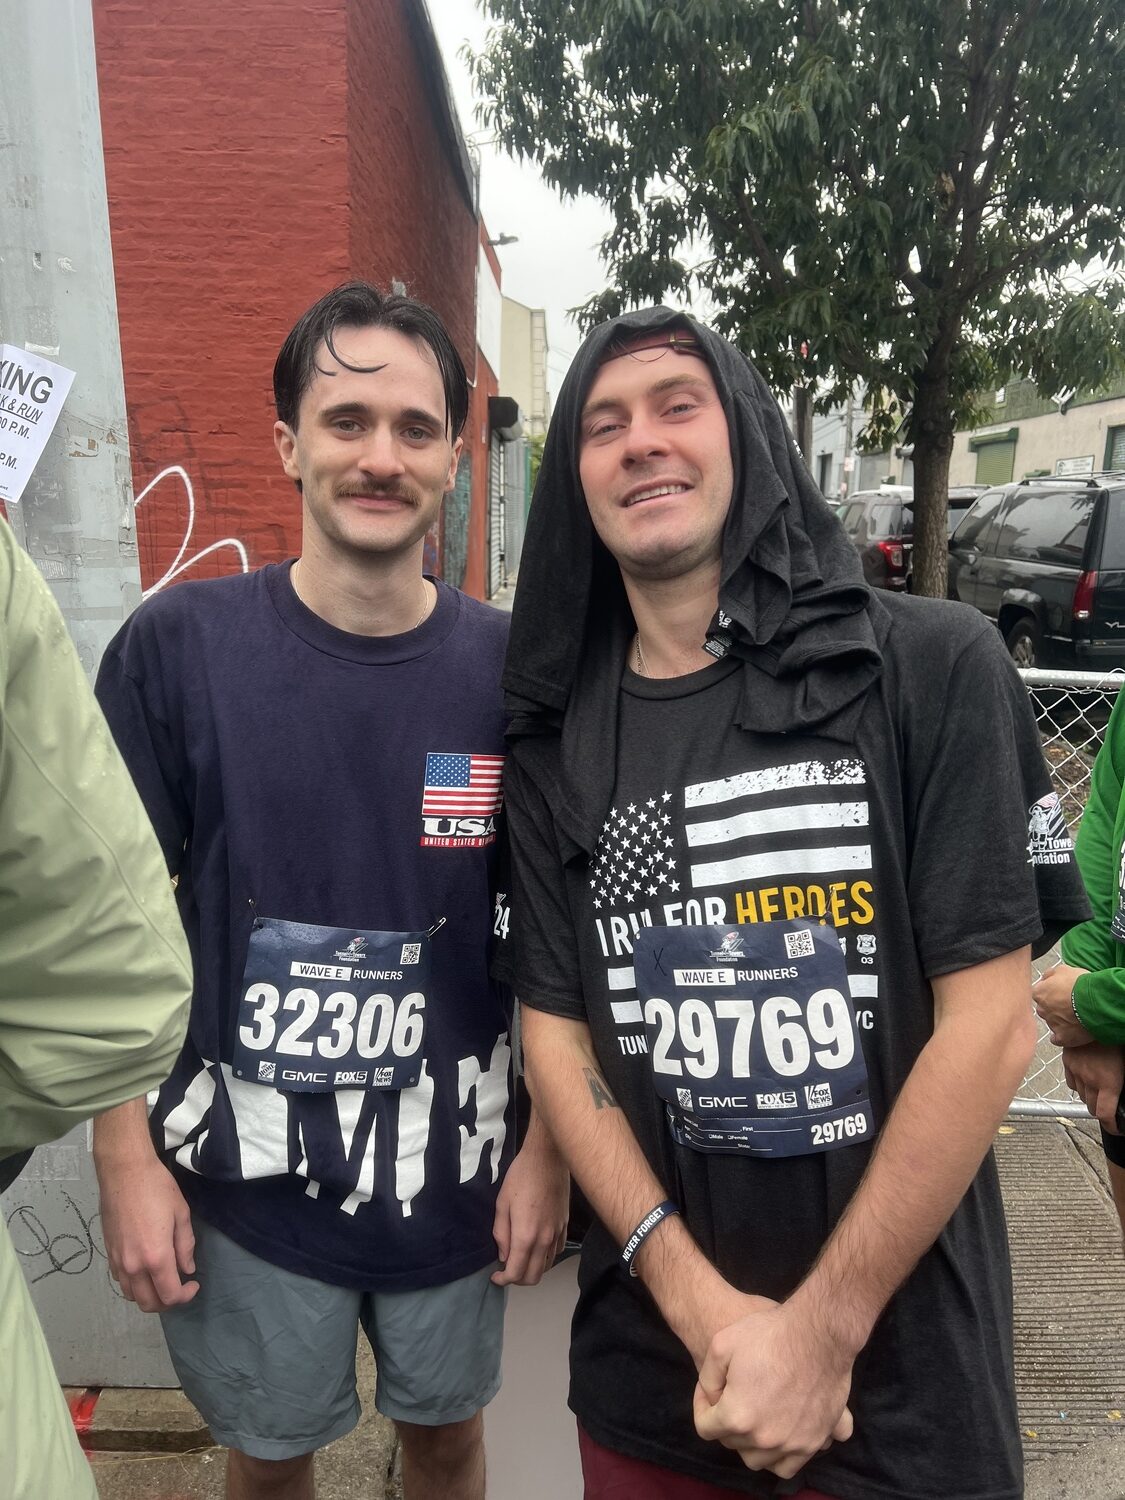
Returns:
(255, 156)
(410, 216)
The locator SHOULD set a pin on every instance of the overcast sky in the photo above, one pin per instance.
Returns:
(555, 265)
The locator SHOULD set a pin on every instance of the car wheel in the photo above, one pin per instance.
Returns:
(1024, 640)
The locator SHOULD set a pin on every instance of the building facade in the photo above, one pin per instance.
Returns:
(256, 155)
(524, 358)
(1027, 433)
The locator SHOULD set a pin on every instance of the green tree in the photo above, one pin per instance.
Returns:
(926, 198)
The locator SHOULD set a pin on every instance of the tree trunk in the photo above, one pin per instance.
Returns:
(802, 421)
(932, 431)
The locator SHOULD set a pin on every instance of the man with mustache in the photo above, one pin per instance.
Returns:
(319, 745)
(771, 912)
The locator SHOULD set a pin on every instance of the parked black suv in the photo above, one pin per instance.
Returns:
(962, 497)
(1045, 560)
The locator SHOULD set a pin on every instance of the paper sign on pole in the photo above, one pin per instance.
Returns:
(32, 393)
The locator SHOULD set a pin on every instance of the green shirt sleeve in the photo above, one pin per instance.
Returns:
(1099, 997)
(95, 977)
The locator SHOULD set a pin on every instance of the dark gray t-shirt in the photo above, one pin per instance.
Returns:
(912, 843)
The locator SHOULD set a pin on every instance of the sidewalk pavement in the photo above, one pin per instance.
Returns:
(1069, 1277)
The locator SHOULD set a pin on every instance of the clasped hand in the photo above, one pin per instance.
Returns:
(772, 1388)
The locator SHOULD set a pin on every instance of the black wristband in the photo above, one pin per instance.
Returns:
(643, 1230)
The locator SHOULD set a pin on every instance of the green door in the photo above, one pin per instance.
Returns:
(995, 463)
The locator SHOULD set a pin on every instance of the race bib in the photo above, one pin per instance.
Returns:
(752, 1038)
(325, 1008)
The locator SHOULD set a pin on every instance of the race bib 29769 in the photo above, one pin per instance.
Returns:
(752, 1037)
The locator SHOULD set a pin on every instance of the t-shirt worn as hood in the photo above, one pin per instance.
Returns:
(792, 602)
(793, 605)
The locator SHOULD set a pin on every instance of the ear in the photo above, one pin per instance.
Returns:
(451, 477)
(285, 441)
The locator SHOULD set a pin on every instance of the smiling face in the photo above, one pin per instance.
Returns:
(371, 450)
(655, 462)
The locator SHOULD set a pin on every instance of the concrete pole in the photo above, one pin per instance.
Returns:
(57, 299)
(76, 520)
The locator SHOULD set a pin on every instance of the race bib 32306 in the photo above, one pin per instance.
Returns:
(326, 1008)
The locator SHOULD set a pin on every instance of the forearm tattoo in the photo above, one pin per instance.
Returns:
(599, 1090)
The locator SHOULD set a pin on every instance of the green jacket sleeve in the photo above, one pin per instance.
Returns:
(95, 978)
(1099, 997)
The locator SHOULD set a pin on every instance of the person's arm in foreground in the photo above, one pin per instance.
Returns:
(94, 969)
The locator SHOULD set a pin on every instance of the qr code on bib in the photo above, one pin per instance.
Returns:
(411, 953)
(799, 944)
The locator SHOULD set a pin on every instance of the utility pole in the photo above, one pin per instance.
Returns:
(75, 518)
(802, 421)
(57, 299)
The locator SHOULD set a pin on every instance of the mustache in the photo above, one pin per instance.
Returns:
(403, 492)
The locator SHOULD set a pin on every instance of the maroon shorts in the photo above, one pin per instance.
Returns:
(611, 1476)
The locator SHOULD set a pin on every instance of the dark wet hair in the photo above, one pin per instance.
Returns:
(358, 304)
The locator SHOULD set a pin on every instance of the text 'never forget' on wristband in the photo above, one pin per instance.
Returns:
(643, 1230)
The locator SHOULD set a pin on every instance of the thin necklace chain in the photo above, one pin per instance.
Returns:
(417, 622)
(642, 665)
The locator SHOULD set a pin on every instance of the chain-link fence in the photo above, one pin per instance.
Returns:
(1072, 710)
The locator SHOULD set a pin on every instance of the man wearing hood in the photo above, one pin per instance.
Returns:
(771, 913)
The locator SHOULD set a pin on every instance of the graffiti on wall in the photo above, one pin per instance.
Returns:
(184, 517)
(55, 1238)
(182, 561)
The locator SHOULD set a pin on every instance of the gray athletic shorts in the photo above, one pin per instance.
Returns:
(268, 1357)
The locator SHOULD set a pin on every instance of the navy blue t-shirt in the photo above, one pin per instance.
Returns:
(299, 773)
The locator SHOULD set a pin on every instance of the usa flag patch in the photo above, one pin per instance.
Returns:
(461, 799)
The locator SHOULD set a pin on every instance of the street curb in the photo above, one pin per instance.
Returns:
(128, 1421)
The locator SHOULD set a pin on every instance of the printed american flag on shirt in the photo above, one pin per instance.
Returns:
(462, 786)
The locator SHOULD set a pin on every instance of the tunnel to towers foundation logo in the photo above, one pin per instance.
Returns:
(1048, 838)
